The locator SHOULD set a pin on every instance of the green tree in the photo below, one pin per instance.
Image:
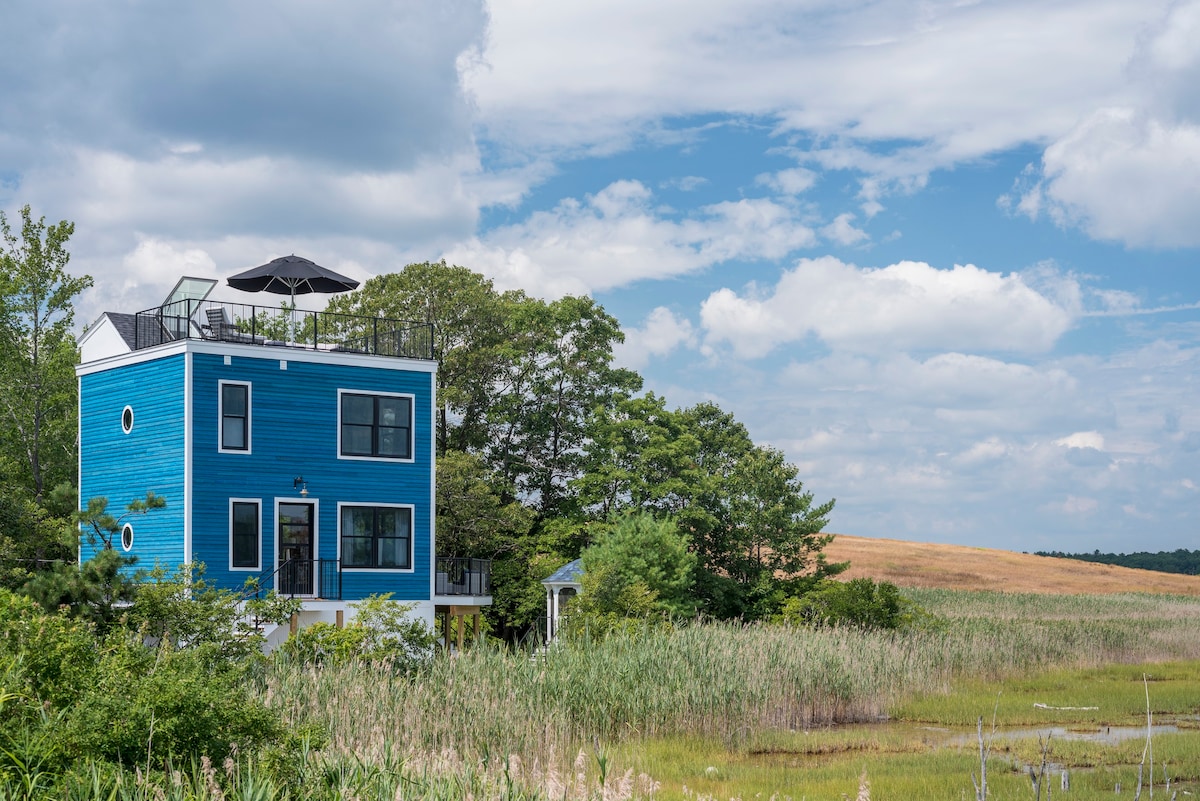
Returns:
(33, 535)
(639, 455)
(557, 369)
(773, 545)
(639, 551)
(37, 350)
(473, 519)
(100, 588)
(101, 529)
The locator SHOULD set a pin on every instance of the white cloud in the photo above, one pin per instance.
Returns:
(842, 230)
(688, 183)
(903, 306)
(1125, 177)
(658, 335)
(1075, 506)
(616, 237)
(789, 182)
(989, 450)
(975, 77)
(1082, 439)
(1129, 171)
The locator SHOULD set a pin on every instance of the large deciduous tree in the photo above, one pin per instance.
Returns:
(557, 370)
(755, 531)
(37, 351)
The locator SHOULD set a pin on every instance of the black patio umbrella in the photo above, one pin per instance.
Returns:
(291, 275)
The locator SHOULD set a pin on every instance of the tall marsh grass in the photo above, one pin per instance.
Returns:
(718, 679)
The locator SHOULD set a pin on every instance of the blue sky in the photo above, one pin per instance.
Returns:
(943, 255)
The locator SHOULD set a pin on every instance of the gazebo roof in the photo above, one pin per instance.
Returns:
(570, 573)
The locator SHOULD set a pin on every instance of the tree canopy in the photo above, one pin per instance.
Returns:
(542, 442)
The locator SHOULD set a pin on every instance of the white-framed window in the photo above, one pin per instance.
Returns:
(245, 534)
(127, 419)
(233, 421)
(375, 536)
(127, 537)
(375, 425)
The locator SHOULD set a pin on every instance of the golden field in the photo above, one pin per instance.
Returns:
(959, 567)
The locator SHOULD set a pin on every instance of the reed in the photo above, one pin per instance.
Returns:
(717, 679)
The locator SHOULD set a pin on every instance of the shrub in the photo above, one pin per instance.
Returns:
(859, 602)
(151, 705)
(383, 631)
(49, 658)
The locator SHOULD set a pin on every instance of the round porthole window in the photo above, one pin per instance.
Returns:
(127, 419)
(127, 537)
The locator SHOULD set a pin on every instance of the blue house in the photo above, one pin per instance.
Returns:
(291, 448)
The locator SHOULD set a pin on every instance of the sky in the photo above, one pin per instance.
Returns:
(943, 255)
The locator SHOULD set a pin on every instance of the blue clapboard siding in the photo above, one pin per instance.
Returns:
(123, 467)
(293, 431)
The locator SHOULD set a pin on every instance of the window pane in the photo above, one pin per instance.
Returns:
(233, 433)
(393, 412)
(233, 400)
(357, 521)
(245, 535)
(393, 442)
(356, 440)
(358, 409)
(356, 552)
(393, 552)
(393, 522)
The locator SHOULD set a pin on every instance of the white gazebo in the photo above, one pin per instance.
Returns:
(562, 585)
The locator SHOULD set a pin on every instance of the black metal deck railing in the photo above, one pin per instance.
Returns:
(460, 576)
(274, 326)
(307, 578)
(322, 578)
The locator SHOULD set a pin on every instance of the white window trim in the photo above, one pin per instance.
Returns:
(412, 428)
(412, 538)
(129, 430)
(221, 384)
(258, 567)
(127, 527)
(316, 547)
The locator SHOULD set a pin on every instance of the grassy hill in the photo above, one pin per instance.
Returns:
(919, 564)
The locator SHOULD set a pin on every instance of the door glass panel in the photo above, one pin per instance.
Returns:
(295, 548)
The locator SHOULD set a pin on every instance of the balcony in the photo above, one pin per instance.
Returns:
(280, 327)
(463, 577)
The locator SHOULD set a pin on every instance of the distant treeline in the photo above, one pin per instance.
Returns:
(1180, 561)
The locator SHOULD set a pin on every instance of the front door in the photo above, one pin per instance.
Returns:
(295, 549)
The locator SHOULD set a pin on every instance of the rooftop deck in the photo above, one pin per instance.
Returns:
(276, 326)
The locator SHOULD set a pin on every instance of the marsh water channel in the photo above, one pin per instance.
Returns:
(907, 759)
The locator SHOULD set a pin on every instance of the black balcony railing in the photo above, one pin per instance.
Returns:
(282, 327)
(460, 576)
(322, 578)
(307, 578)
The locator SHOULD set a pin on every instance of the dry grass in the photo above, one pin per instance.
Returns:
(958, 567)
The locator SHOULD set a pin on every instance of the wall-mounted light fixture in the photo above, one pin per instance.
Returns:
(302, 484)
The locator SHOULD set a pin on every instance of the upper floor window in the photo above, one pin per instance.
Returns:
(235, 417)
(375, 426)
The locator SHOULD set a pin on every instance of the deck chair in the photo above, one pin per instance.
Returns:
(221, 328)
